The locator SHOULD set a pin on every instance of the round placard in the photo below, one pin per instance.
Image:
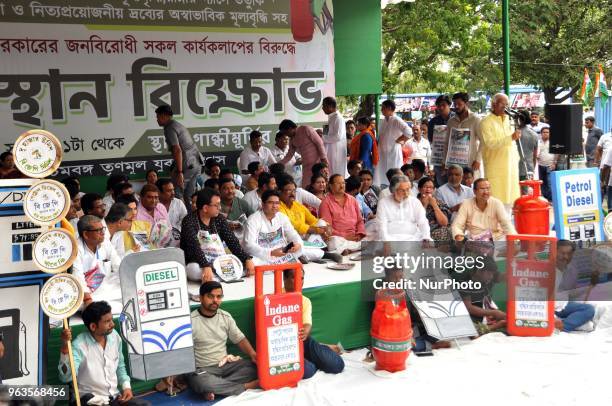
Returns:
(607, 226)
(61, 296)
(37, 153)
(46, 202)
(54, 250)
(228, 267)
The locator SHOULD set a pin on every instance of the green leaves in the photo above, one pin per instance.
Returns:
(453, 45)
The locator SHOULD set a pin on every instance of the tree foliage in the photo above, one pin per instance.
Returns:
(452, 45)
(441, 45)
(551, 40)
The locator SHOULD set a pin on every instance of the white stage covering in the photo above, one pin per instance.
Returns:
(561, 370)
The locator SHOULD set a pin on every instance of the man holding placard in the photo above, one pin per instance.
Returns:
(466, 119)
(98, 360)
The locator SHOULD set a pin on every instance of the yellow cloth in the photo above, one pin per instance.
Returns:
(65, 224)
(138, 226)
(306, 310)
(500, 157)
(301, 218)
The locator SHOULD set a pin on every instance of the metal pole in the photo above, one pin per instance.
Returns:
(506, 40)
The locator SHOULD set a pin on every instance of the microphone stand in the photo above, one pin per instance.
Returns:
(514, 115)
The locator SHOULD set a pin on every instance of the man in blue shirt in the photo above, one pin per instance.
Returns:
(98, 360)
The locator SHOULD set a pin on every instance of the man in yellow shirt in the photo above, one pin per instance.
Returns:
(316, 356)
(499, 152)
(140, 230)
(302, 219)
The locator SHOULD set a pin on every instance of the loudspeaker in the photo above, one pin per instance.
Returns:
(565, 128)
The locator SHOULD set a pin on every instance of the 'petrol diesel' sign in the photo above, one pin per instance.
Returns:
(577, 204)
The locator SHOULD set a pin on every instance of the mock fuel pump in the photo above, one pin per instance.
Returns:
(156, 321)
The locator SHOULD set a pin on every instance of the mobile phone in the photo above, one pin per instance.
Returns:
(423, 353)
(288, 247)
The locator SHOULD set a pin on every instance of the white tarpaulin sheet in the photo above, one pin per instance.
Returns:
(564, 369)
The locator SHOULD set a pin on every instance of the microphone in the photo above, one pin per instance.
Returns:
(511, 112)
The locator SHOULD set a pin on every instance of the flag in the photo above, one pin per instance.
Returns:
(601, 89)
(586, 88)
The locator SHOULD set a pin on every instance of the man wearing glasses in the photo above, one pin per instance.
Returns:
(400, 216)
(97, 261)
(118, 221)
(205, 235)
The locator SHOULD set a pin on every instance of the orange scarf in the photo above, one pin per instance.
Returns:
(356, 144)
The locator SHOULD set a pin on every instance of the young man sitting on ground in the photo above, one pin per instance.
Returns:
(316, 356)
(217, 372)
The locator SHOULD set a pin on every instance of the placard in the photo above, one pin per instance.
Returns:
(228, 267)
(608, 226)
(283, 349)
(577, 197)
(54, 251)
(46, 202)
(61, 296)
(458, 147)
(439, 140)
(37, 153)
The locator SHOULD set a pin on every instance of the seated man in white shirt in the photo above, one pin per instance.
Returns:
(483, 217)
(265, 182)
(118, 220)
(255, 152)
(453, 193)
(175, 207)
(269, 237)
(389, 174)
(419, 169)
(98, 360)
(97, 262)
(401, 217)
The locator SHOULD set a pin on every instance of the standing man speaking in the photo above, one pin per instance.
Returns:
(187, 158)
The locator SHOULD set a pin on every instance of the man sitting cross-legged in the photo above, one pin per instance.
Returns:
(217, 372)
(316, 356)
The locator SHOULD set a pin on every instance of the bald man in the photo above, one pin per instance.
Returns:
(499, 152)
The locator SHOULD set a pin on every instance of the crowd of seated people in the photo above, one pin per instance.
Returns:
(262, 215)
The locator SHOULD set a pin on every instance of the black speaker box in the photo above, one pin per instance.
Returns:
(565, 128)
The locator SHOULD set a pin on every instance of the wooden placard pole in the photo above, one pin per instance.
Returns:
(72, 369)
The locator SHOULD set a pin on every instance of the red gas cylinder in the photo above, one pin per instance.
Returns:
(532, 211)
(391, 330)
(302, 21)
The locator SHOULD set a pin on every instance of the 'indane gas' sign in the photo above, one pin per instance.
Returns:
(577, 204)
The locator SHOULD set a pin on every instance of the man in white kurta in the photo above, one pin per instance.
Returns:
(400, 216)
(267, 231)
(499, 153)
(394, 132)
(334, 138)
